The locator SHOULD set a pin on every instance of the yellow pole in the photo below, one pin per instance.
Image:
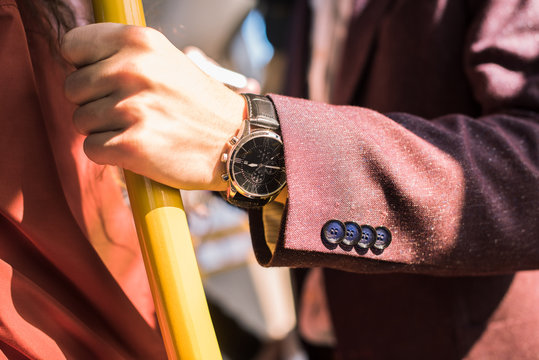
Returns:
(168, 253)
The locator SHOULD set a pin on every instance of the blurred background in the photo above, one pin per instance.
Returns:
(252, 307)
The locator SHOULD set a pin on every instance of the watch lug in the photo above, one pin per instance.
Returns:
(232, 191)
(233, 140)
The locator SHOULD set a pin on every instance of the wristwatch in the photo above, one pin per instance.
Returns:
(255, 169)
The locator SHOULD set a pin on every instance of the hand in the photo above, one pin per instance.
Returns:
(144, 106)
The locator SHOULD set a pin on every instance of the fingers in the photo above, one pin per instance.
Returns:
(107, 148)
(88, 44)
(90, 83)
(108, 59)
(101, 147)
(103, 115)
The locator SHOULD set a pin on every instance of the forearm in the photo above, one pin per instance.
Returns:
(454, 191)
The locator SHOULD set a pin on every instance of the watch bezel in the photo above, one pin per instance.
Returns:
(230, 161)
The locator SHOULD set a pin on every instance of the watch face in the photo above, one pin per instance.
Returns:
(257, 164)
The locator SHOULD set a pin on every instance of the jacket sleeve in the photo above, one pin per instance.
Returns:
(459, 194)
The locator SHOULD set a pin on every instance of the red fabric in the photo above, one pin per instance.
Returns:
(72, 283)
(448, 161)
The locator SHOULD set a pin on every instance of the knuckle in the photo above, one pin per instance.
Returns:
(132, 74)
(123, 151)
(138, 36)
(127, 111)
(125, 146)
(128, 69)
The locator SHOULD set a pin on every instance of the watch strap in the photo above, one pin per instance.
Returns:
(261, 112)
(245, 202)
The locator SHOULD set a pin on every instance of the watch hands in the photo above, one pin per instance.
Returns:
(263, 165)
(274, 156)
(272, 167)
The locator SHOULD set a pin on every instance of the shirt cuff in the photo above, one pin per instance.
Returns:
(272, 215)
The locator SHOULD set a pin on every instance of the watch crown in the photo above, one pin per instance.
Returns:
(233, 140)
(225, 177)
(224, 157)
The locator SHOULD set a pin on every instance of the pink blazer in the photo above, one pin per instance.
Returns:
(442, 148)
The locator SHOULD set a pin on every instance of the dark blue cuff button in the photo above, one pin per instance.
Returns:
(383, 238)
(368, 236)
(333, 232)
(353, 233)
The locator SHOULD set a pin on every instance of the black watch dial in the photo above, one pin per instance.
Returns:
(257, 165)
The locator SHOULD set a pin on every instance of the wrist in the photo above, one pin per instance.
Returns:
(236, 112)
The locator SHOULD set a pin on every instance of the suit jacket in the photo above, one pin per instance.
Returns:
(441, 147)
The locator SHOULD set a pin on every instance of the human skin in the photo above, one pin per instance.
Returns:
(144, 106)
